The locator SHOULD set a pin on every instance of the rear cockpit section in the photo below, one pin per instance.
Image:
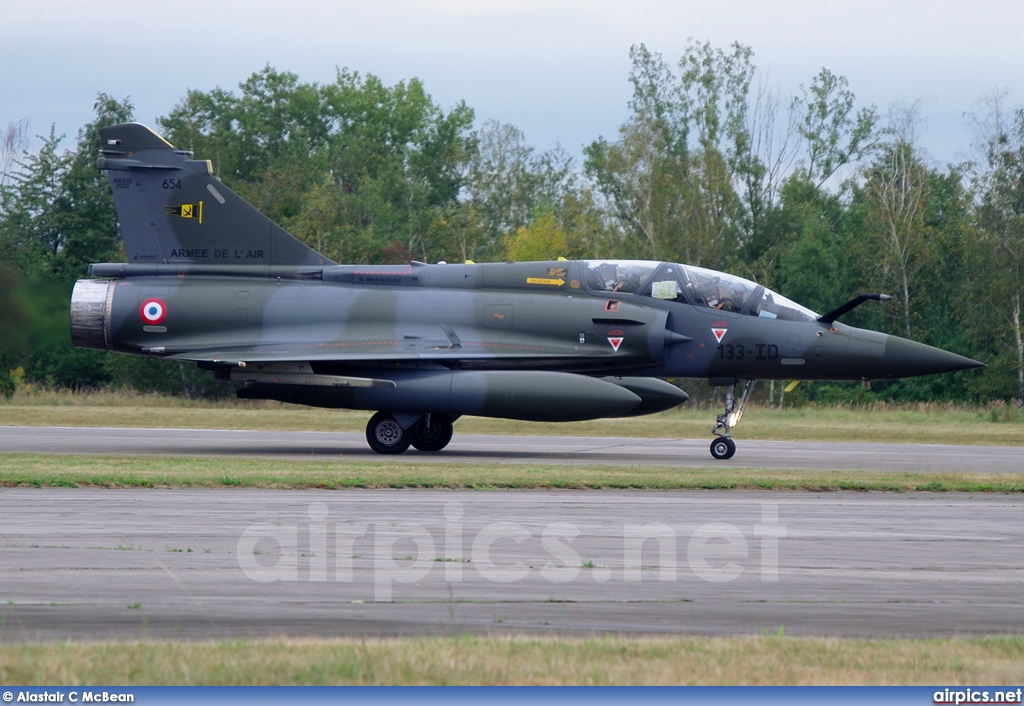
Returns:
(693, 285)
(626, 276)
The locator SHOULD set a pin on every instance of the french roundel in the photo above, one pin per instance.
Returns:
(153, 311)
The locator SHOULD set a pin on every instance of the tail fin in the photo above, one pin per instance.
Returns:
(172, 209)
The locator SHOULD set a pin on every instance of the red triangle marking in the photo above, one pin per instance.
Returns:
(719, 333)
(616, 342)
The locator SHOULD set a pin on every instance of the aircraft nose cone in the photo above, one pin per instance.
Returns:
(905, 358)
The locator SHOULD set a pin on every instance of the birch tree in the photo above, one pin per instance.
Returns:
(897, 192)
(999, 182)
(13, 141)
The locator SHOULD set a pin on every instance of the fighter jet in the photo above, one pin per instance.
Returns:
(211, 280)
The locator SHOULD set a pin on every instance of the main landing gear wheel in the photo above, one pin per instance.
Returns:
(386, 436)
(431, 432)
(723, 448)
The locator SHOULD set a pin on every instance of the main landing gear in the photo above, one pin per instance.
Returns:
(386, 434)
(724, 447)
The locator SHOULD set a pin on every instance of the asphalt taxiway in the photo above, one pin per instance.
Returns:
(469, 448)
(103, 563)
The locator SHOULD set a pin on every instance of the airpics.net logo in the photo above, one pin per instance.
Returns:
(322, 549)
(969, 695)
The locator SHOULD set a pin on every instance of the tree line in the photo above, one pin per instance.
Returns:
(807, 193)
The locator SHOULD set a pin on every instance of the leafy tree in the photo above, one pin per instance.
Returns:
(34, 212)
(810, 265)
(644, 176)
(697, 170)
(355, 168)
(509, 185)
(64, 366)
(833, 135)
(763, 164)
(13, 325)
(166, 377)
(57, 217)
(543, 239)
(999, 181)
(458, 233)
(57, 212)
(794, 234)
(94, 235)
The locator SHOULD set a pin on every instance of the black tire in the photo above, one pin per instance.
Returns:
(723, 448)
(385, 435)
(431, 432)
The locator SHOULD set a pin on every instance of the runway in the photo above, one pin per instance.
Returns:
(95, 563)
(468, 448)
(99, 563)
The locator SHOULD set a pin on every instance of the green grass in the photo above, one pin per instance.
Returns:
(769, 659)
(55, 470)
(996, 425)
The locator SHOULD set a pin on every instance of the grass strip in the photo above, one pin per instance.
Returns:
(519, 659)
(55, 470)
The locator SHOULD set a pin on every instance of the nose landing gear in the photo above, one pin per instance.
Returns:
(724, 447)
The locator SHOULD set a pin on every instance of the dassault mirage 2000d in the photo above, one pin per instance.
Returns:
(209, 279)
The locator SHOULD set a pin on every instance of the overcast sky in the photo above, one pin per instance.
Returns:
(557, 69)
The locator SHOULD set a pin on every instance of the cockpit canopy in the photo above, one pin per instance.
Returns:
(695, 285)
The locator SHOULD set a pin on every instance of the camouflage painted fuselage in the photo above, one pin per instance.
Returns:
(498, 316)
(213, 281)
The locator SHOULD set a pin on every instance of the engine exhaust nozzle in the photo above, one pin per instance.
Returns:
(91, 304)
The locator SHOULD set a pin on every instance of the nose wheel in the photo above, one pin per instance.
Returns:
(724, 447)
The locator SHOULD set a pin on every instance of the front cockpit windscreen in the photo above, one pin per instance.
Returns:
(696, 285)
(725, 292)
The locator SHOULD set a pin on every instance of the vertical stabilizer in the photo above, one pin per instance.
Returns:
(173, 210)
